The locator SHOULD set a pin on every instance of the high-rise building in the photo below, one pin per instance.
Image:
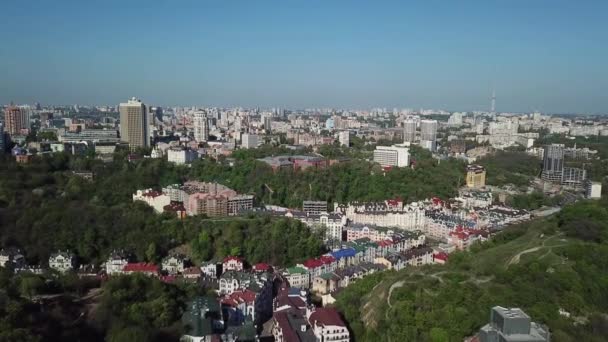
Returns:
(428, 134)
(201, 127)
(156, 112)
(553, 163)
(409, 131)
(344, 138)
(392, 156)
(476, 176)
(593, 190)
(134, 123)
(267, 123)
(13, 120)
(250, 140)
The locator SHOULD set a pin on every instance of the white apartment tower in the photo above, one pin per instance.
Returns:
(134, 123)
(344, 138)
(428, 134)
(409, 131)
(201, 127)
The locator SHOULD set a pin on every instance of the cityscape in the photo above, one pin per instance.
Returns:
(139, 220)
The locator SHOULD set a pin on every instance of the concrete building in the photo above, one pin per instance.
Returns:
(593, 190)
(409, 131)
(314, 207)
(250, 140)
(201, 127)
(134, 124)
(155, 199)
(328, 326)
(62, 261)
(428, 134)
(476, 176)
(553, 163)
(13, 120)
(181, 155)
(512, 325)
(392, 156)
(344, 138)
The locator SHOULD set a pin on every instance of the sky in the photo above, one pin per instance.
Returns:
(550, 56)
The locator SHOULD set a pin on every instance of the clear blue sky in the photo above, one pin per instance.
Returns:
(545, 55)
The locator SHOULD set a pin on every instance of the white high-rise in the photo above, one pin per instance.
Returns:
(392, 156)
(134, 123)
(428, 134)
(201, 127)
(344, 138)
(409, 130)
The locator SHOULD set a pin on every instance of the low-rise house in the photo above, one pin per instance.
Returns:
(261, 267)
(116, 262)
(62, 261)
(297, 277)
(231, 281)
(141, 267)
(155, 199)
(328, 326)
(291, 326)
(440, 258)
(233, 263)
(326, 283)
(345, 257)
(239, 306)
(12, 257)
(174, 264)
(318, 266)
(211, 269)
(192, 272)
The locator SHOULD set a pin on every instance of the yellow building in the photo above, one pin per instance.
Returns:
(476, 176)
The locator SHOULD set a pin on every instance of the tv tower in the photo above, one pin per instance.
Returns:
(493, 103)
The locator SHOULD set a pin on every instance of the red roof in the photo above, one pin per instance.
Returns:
(262, 267)
(192, 270)
(167, 279)
(283, 322)
(140, 267)
(241, 296)
(440, 256)
(326, 316)
(327, 259)
(152, 193)
(229, 258)
(312, 263)
(385, 243)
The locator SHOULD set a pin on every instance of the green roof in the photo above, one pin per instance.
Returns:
(296, 269)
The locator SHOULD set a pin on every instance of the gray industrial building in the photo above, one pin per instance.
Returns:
(512, 325)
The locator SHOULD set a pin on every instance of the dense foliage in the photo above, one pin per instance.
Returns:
(542, 267)
(510, 167)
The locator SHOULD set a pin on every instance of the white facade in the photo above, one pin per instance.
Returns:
(62, 262)
(409, 131)
(250, 140)
(201, 127)
(392, 156)
(181, 156)
(174, 264)
(115, 265)
(344, 138)
(593, 190)
(155, 199)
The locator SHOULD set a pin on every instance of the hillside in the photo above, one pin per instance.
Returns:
(540, 266)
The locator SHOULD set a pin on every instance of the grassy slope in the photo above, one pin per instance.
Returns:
(457, 297)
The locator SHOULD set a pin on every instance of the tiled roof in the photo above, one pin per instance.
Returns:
(326, 316)
(140, 267)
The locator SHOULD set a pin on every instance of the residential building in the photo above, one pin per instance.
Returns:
(409, 131)
(512, 325)
(328, 326)
(148, 269)
(344, 138)
(12, 257)
(13, 120)
(134, 124)
(428, 134)
(314, 207)
(116, 262)
(181, 155)
(250, 140)
(333, 223)
(174, 264)
(62, 261)
(155, 199)
(593, 190)
(297, 277)
(201, 127)
(476, 176)
(291, 326)
(232, 263)
(395, 155)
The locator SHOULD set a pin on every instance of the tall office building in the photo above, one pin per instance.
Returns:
(428, 134)
(409, 131)
(201, 127)
(476, 176)
(553, 163)
(13, 120)
(134, 123)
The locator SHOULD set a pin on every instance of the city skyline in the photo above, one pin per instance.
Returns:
(544, 56)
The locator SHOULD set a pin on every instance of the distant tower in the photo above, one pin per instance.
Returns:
(493, 104)
(201, 127)
(409, 130)
(134, 123)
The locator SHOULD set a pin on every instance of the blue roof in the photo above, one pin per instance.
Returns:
(344, 253)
